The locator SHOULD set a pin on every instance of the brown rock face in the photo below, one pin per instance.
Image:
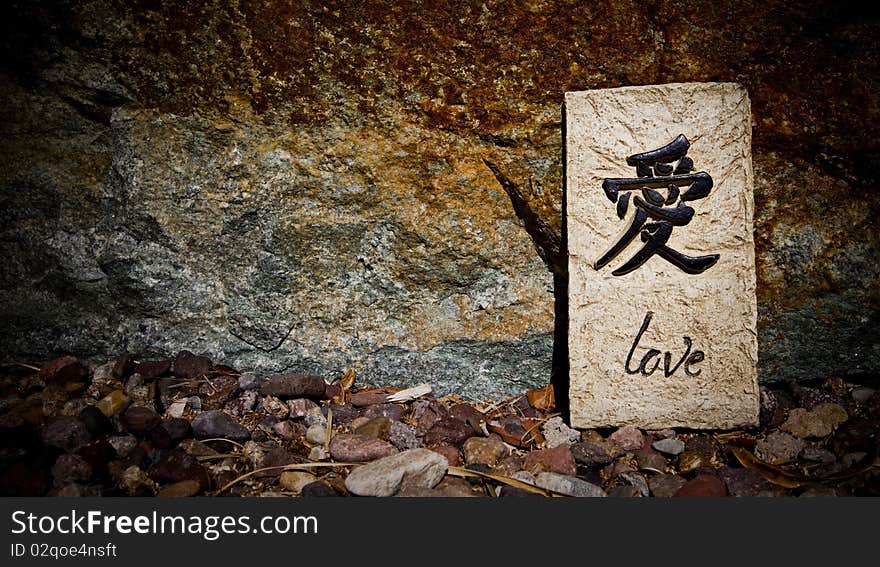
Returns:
(301, 189)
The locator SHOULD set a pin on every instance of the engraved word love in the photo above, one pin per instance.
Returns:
(688, 359)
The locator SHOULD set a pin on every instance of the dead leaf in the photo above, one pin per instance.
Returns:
(506, 436)
(542, 398)
(348, 380)
(774, 474)
(533, 430)
(410, 393)
(345, 384)
(465, 473)
(529, 439)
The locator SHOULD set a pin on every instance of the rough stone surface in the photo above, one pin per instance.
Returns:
(778, 447)
(215, 423)
(557, 460)
(746, 483)
(403, 436)
(179, 175)
(628, 438)
(123, 445)
(417, 468)
(394, 412)
(275, 407)
(817, 422)
(818, 455)
(568, 485)
(591, 453)
(665, 485)
(70, 468)
(658, 304)
(556, 433)
(450, 431)
(302, 407)
(484, 450)
(638, 482)
(349, 447)
(318, 489)
(66, 433)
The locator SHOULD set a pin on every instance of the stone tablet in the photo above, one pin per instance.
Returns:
(661, 257)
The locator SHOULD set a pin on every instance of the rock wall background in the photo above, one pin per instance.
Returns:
(299, 185)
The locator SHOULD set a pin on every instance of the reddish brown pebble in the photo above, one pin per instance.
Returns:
(294, 386)
(182, 489)
(153, 368)
(449, 430)
(451, 453)
(188, 366)
(377, 428)
(558, 460)
(348, 447)
(64, 369)
(703, 485)
(140, 419)
(361, 399)
(468, 414)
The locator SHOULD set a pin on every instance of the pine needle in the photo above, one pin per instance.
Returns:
(465, 473)
(292, 467)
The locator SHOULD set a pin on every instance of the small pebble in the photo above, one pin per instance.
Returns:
(778, 447)
(703, 485)
(123, 445)
(403, 436)
(484, 450)
(667, 446)
(288, 429)
(556, 433)
(665, 485)
(249, 381)
(293, 386)
(557, 460)
(568, 485)
(628, 438)
(67, 433)
(818, 455)
(817, 422)
(294, 481)
(215, 423)
(182, 489)
(317, 434)
(862, 394)
(638, 482)
(378, 428)
(421, 468)
(113, 403)
(348, 447)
